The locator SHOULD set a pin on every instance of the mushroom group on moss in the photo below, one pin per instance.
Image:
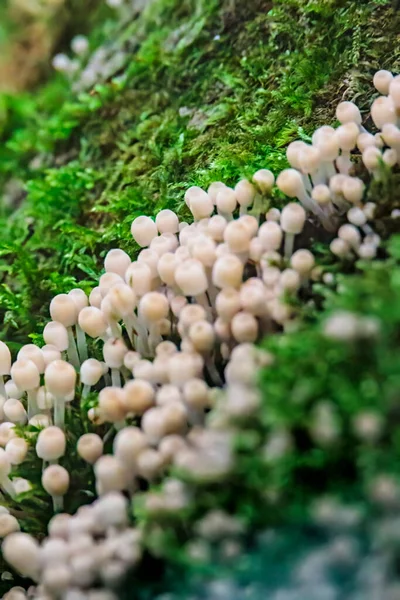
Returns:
(178, 329)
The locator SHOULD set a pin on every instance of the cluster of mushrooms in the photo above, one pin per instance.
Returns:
(85, 68)
(175, 334)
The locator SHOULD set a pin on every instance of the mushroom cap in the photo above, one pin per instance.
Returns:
(25, 374)
(56, 334)
(63, 309)
(55, 480)
(60, 378)
(21, 551)
(90, 447)
(5, 359)
(51, 443)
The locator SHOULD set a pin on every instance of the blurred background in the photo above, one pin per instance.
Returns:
(32, 31)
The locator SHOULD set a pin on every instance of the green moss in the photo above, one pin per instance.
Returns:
(188, 110)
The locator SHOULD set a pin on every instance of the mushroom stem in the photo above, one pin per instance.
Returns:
(58, 503)
(115, 328)
(72, 350)
(318, 177)
(116, 377)
(228, 216)
(343, 162)
(307, 183)
(59, 412)
(81, 340)
(307, 202)
(109, 433)
(2, 387)
(134, 324)
(7, 486)
(130, 331)
(86, 390)
(330, 170)
(289, 243)
(33, 408)
(154, 337)
(257, 206)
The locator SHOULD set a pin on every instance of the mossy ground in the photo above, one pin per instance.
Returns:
(210, 90)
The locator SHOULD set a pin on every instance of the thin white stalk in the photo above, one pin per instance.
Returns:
(86, 390)
(307, 183)
(133, 323)
(58, 503)
(81, 340)
(289, 244)
(33, 408)
(307, 201)
(330, 170)
(59, 412)
(130, 332)
(72, 350)
(154, 337)
(228, 216)
(257, 206)
(312, 206)
(116, 377)
(2, 387)
(7, 486)
(318, 177)
(108, 434)
(343, 162)
(115, 328)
